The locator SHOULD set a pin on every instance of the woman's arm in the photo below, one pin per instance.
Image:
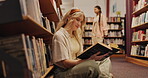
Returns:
(69, 63)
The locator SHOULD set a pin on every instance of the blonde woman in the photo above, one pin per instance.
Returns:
(67, 46)
(100, 30)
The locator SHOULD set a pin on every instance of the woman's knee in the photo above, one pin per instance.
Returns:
(89, 67)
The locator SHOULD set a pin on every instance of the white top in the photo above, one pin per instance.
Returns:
(75, 47)
(62, 46)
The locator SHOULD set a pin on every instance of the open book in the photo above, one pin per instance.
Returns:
(99, 47)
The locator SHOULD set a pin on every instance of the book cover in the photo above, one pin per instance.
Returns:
(96, 48)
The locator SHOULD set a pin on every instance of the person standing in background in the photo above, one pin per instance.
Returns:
(99, 31)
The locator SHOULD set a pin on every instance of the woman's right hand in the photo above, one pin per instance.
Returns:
(96, 57)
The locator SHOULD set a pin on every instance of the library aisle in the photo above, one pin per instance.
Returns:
(28, 27)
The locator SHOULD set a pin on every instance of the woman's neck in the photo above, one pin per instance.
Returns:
(70, 32)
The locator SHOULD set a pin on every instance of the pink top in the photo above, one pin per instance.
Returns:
(100, 31)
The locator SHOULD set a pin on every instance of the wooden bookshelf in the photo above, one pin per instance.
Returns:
(48, 10)
(144, 9)
(139, 56)
(48, 70)
(28, 26)
(142, 26)
(114, 22)
(140, 41)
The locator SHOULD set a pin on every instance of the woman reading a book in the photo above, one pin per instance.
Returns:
(67, 45)
(99, 31)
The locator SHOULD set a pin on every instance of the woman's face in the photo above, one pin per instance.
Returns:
(96, 10)
(77, 22)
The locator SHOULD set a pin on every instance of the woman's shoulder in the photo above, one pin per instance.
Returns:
(60, 33)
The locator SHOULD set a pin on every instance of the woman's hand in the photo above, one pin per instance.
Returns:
(96, 57)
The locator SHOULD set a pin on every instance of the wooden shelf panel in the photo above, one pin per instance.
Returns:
(48, 10)
(113, 37)
(88, 29)
(27, 26)
(137, 61)
(138, 56)
(114, 29)
(114, 22)
(144, 9)
(89, 22)
(140, 41)
(48, 70)
(87, 44)
(87, 37)
(142, 26)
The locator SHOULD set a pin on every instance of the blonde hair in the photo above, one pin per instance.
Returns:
(78, 33)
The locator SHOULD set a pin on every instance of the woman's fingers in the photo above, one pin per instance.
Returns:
(97, 53)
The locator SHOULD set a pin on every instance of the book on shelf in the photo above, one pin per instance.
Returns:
(139, 35)
(115, 41)
(114, 19)
(89, 19)
(88, 27)
(52, 26)
(141, 19)
(29, 51)
(99, 47)
(46, 23)
(115, 34)
(87, 34)
(139, 50)
(146, 36)
(87, 41)
(114, 26)
(140, 4)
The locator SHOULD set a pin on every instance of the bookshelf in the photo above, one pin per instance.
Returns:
(87, 35)
(138, 12)
(15, 19)
(28, 26)
(139, 27)
(116, 32)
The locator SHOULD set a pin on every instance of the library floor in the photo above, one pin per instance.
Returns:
(123, 69)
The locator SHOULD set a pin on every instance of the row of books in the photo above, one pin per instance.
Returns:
(114, 26)
(140, 50)
(140, 35)
(115, 34)
(87, 41)
(89, 19)
(116, 41)
(139, 5)
(143, 18)
(114, 19)
(49, 25)
(88, 27)
(31, 8)
(31, 52)
(87, 34)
